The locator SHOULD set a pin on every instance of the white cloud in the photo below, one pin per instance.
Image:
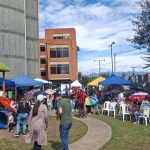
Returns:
(96, 24)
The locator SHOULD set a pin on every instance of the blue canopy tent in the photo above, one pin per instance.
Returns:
(8, 83)
(115, 80)
(23, 81)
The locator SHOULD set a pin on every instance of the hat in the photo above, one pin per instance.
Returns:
(41, 97)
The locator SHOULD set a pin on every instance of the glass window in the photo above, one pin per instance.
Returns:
(43, 61)
(53, 53)
(61, 37)
(43, 72)
(59, 52)
(53, 69)
(60, 69)
(65, 53)
(42, 48)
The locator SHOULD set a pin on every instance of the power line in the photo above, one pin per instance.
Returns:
(126, 51)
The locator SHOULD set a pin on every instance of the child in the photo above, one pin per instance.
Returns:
(10, 122)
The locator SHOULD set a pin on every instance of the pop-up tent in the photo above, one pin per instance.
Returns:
(44, 81)
(24, 81)
(96, 81)
(76, 83)
(8, 83)
(115, 80)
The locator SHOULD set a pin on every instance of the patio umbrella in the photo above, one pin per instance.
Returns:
(3, 69)
(50, 91)
(28, 96)
(33, 91)
(91, 100)
(139, 96)
(39, 92)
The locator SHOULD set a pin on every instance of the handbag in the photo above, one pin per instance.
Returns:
(28, 138)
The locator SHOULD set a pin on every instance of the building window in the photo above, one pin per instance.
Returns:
(59, 52)
(43, 73)
(59, 69)
(42, 48)
(61, 36)
(43, 61)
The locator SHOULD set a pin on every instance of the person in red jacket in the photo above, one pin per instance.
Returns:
(81, 95)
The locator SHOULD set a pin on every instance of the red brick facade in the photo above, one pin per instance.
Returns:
(60, 50)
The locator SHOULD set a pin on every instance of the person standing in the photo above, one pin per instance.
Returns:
(81, 103)
(63, 113)
(22, 116)
(38, 123)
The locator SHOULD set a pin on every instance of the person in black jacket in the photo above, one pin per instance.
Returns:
(22, 116)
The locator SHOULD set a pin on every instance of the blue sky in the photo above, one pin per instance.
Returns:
(98, 23)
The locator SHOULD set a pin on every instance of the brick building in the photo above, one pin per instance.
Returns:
(58, 56)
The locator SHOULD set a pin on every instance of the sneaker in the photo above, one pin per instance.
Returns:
(16, 135)
(12, 131)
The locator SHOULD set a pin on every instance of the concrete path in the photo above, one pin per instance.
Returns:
(98, 134)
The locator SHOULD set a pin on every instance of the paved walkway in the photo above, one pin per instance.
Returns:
(98, 134)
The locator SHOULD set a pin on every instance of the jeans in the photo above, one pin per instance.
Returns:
(21, 119)
(64, 133)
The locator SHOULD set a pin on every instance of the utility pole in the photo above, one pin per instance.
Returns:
(99, 60)
(133, 74)
(112, 56)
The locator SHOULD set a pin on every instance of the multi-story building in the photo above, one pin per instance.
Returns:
(58, 56)
(19, 36)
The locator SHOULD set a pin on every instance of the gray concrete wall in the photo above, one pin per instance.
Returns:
(12, 36)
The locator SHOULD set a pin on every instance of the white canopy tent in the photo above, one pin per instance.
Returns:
(76, 83)
(44, 81)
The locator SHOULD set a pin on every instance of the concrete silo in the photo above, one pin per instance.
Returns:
(19, 36)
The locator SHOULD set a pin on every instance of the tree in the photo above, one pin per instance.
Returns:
(141, 39)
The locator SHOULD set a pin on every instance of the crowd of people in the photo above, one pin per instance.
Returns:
(30, 118)
(31, 115)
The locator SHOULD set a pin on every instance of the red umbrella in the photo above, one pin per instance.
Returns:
(140, 96)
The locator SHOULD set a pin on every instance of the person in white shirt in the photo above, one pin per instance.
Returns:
(121, 97)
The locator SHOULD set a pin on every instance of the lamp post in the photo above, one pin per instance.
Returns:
(112, 56)
(99, 60)
(114, 63)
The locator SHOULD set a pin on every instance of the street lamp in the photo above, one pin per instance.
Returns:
(112, 56)
(99, 60)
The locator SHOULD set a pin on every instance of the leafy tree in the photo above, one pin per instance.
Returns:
(141, 39)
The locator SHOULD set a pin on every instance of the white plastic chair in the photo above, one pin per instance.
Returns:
(125, 111)
(106, 107)
(145, 115)
(113, 108)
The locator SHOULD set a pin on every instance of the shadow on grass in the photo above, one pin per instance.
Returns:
(56, 145)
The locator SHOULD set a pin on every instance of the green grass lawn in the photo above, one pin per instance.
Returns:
(125, 135)
(78, 130)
